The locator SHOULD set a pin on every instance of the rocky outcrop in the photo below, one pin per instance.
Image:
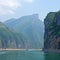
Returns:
(52, 31)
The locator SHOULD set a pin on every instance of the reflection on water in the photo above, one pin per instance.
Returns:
(22, 55)
(52, 56)
(28, 55)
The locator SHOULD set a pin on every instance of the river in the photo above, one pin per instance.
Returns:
(28, 55)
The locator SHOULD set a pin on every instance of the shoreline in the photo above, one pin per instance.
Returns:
(52, 50)
(44, 50)
(8, 49)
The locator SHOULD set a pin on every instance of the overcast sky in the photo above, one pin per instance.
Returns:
(17, 8)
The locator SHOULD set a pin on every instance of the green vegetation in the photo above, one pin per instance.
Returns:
(52, 31)
(31, 28)
(51, 16)
(8, 38)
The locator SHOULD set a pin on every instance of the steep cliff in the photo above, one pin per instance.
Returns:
(31, 27)
(52, 31)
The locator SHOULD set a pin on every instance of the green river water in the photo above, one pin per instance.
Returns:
(28, 55)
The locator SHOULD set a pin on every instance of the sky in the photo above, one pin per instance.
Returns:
(17, 8)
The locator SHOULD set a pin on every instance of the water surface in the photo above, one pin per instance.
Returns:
(28, 55)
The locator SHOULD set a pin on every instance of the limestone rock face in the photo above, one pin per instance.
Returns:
(52, 31)
(31, 27)
(25, 32)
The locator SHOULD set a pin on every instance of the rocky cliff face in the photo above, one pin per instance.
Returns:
(31, 27)
(52, 31)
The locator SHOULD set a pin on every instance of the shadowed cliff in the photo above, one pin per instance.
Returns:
(52, 31)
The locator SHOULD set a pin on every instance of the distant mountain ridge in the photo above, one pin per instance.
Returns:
(9, 39)
(29, 26)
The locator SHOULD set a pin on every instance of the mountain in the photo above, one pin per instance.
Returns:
(31, 27)
(52, 31)
(10, 39)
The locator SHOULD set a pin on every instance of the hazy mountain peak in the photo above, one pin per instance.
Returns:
(33, 16)
(36, 15)
(31, 27)
(2, 25)
(10, 20)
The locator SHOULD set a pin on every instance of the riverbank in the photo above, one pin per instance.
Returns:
(52, 50)
(21, 49)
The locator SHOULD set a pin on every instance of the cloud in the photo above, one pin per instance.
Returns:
(28, 1)
(4, 11)
(8, 6)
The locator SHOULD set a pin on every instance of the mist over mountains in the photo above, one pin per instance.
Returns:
(24, 32)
